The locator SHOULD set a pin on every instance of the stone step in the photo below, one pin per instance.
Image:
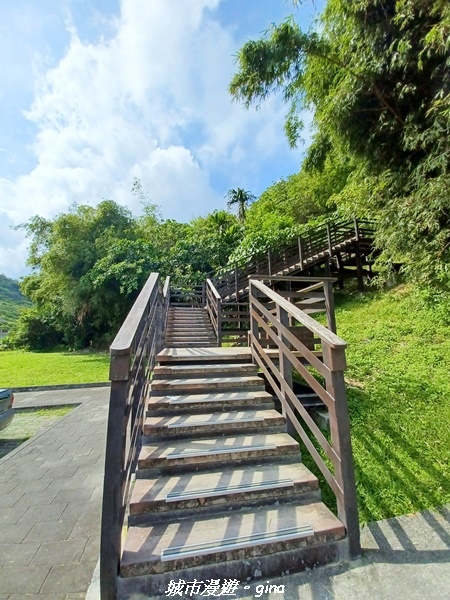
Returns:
(188, 326)
(212, 491)
(201, 344)
(190, 338)
(169, 386)
(186, 336)
(211, 424)
(188, 312)
(230, 369)
(217, 354)
(214, 402)
(204, 453)
(200, 318)
(248, 538)
(196, 340)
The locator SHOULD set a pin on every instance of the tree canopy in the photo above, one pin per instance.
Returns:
(89, 264)
(376, 75)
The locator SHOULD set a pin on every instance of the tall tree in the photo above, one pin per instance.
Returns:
(87, 267)
(241, 199)
(376, 74)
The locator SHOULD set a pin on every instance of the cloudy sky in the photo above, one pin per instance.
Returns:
(94, 93)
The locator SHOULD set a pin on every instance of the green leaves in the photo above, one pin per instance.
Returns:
(377, 76)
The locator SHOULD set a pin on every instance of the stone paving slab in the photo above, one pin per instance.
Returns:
(50, 500)
(403, 558)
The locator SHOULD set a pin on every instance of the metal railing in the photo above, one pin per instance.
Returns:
(133, 357)
(272, 317)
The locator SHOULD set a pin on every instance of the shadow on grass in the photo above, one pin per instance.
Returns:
(393, 474)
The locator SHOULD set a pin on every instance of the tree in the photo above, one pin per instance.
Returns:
(87, 267)
(241, 199)
(376, 74)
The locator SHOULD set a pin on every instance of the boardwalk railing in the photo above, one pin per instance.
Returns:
(192, 296)
(272, 316)
(133, 356)
(318, 244)
(214, 309)
(310, 294)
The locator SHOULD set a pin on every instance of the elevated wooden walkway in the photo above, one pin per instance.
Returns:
(346, 243)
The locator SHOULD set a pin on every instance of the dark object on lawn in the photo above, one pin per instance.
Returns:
(6, 408)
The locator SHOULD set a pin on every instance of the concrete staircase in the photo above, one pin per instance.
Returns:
(220, 490)
(189, 327)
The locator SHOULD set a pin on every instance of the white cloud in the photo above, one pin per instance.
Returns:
(150, 101)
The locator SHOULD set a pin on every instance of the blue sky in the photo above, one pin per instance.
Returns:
(94, 93)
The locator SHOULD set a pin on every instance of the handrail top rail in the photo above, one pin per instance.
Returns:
(213, 289)
(123, 341)
(283, 278)
(166, 286)
(325, 334)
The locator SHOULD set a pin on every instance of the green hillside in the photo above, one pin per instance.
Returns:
(11, 301)
(399, 395)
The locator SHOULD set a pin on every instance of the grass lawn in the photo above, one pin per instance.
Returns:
(399, 395)
(20, 369)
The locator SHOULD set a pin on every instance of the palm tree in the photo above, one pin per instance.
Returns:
(241, 199)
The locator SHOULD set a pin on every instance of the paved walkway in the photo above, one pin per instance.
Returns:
(404, 558)
(50, 501)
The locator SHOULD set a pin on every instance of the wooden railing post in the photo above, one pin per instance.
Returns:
(219, 321)
(334, 359)
(110, 544)
(330, 245)
(355, 223)
(269, 261)
(214, 309)
(329, 305)
(285, 364)
(300, 251)
(254, 329)
(203, 294)
(236, 284)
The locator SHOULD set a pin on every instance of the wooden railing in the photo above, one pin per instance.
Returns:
(192, 296)
(214, 309)
(323, 240)
(133, 356)
(271, 316)
(311, 294)
(235, 322)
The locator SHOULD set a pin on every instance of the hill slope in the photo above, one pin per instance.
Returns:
(11, 301)
(399, 396)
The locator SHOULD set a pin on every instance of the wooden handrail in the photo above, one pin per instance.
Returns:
(317, 328)
(124, 339)
(298, 353)
(216, 294)
(166, 288)
(214, 309)
(133, 356)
